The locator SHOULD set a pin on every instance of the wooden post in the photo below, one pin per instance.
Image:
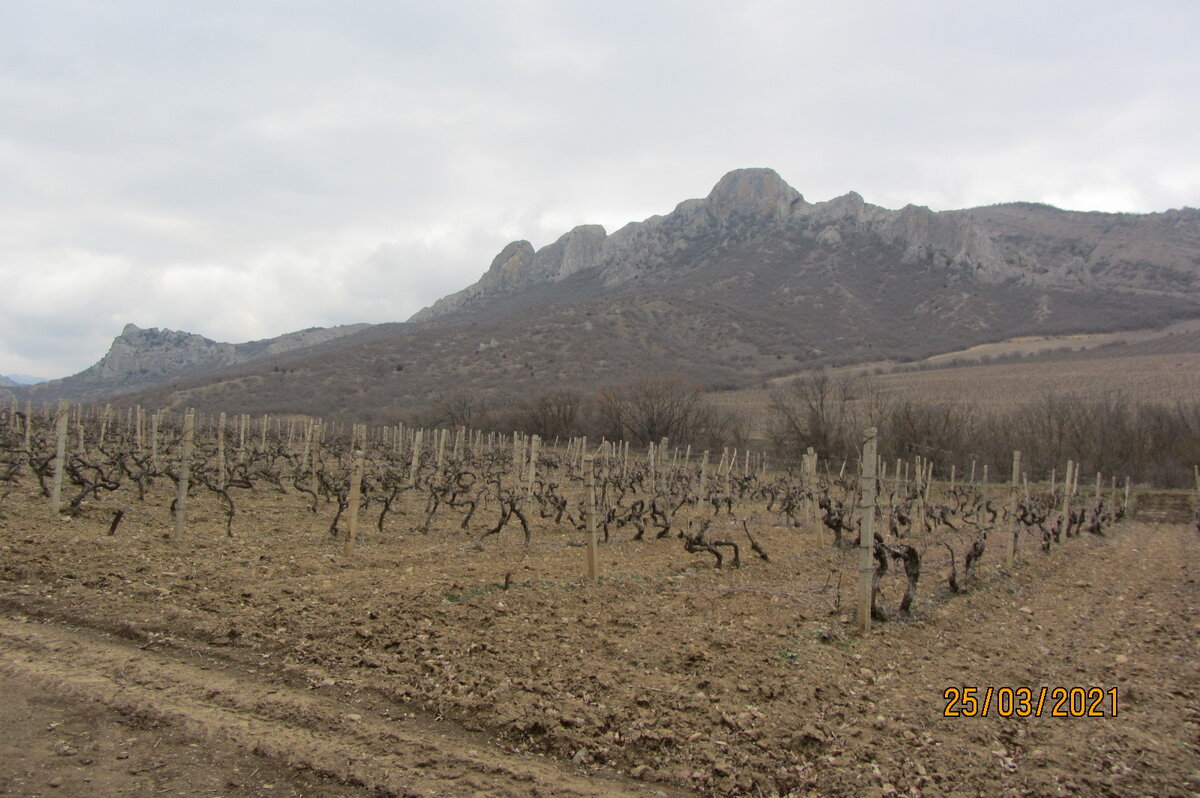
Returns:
(316, 458)
(61, 418)
(308, 429)
(1066, 510)
(919, 514)
(354, 499)
(704, 475)
(810, 485)
(1010, 550)
(29, 425)
(593, 561)
(416, 458)
(104, 424)
(221, 451)
(534, 443)
(243, 422)
(185, 472)
(866, 532)
(728, 468)
(154, 442)
(650, 465)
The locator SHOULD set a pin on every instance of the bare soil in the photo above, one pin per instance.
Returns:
(269, 664)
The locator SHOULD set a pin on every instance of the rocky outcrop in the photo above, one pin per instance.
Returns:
(142, 358)
(753, 194)
(518, 265)
(1032, 244)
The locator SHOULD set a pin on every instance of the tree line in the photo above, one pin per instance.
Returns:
(1157, 443)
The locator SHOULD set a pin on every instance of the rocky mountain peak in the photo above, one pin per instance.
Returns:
(507, 266)
(753, 192)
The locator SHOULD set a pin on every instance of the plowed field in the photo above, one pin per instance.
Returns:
(269, 664)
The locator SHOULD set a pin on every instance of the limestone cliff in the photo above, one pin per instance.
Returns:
(1032, 244)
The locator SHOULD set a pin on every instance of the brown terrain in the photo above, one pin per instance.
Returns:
(1145, 366)
(270, 663)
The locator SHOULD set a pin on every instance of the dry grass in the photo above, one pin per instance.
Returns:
(1160, 370)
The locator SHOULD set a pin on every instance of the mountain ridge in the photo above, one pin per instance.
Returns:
(977, 240)
(141, 358)
(749, 283)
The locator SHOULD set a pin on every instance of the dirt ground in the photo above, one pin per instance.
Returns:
(269, 664)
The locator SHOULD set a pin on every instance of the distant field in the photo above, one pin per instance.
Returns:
(1181, 336)
(1162, 368)
(1143, 377)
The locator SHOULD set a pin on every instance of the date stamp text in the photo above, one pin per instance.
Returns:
(1030, 702)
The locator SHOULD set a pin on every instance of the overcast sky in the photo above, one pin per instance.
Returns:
(244, 169)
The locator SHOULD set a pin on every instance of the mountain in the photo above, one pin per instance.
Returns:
(748, 283)
(25, 379)
(1029, 244)
(143, 358)
(7, 382)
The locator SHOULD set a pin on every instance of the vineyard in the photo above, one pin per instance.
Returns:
(659, 620)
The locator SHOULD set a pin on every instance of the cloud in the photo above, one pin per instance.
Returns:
(243, 170)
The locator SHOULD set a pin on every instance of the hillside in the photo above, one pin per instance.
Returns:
(749, 283)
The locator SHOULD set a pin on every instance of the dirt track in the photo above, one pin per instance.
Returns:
(759, 688)
(293, 730)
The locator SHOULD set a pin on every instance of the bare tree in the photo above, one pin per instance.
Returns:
(458, 409)
(815, 410)
(553, 415)
(656, 408)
